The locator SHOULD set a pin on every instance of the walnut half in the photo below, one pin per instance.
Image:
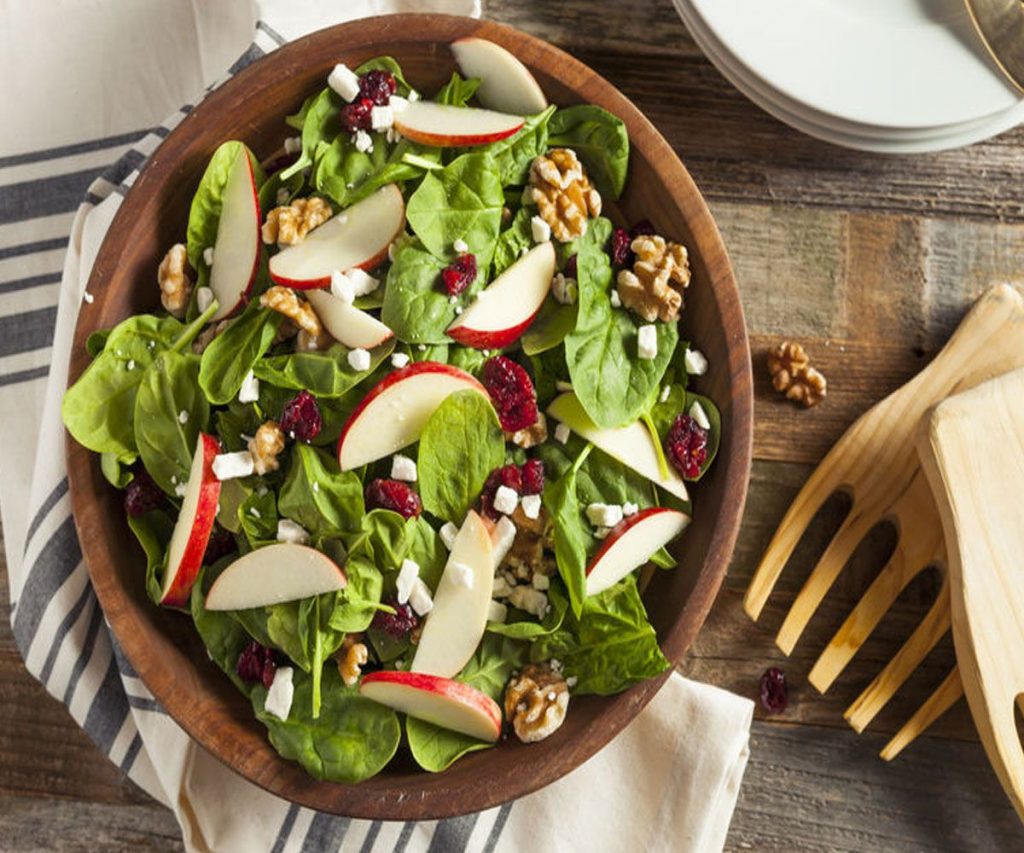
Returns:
(536, 701)
(793, 375)
(175, 286)
(289, 224)
(654, 287)
(265, 446)
(564, 196)
(351, 657)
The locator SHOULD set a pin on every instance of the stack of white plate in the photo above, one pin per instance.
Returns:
(897, 76)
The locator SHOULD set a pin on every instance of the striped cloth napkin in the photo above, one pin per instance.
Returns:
(675, 771)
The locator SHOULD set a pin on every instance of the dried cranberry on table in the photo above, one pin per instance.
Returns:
(301, 418)
(774, 694)
(687, 446)
(459, 274)
(403, 621)
(394, 495)
(142, 494)
(511, 392)
(256, 664)
(377, 86)
(356, 116)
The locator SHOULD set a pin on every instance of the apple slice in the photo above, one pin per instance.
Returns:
(505, 83)
(346, 323)
(273, 575)
(632, 445)
(236, 250)
(359, 236)
(194, 525)
(632, 544)
(446, 703)
(445, 126)
(392, 415)
(456, 623)
(504, 310)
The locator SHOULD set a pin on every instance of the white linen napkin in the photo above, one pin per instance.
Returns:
(669, 781)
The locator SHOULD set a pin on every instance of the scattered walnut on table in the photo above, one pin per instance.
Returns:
(564, 196)
(289, 224)
(175, 285)
(536, 701)
(266, 446)
(351, 657)
(654, 287)
(792, 375)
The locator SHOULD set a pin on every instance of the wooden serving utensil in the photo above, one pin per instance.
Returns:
(972, 451)
(876, 463)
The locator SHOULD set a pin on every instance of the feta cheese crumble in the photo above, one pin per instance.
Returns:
(208, 256)
(448, 532)
(506, 500)
(228, 466)
(280, 694)
(342, 287)
(539, 229)
(381, 118)
(562, 433)
(403, 468)
(420, 599)
(183, 417)
(529, 599)
(504, 536)
(282, 195)
(616, 300)
(407, 577)
(293, 145)
(462, 575)
(629, 508)
(565, 290)
(399, 360)
(344, 81)
(87, 297)
(531, 506)
(604, 515)
(695, 362)
(180, 490)
(362, 141)
(362, 282)
(497, 612)
(460, 246)
(501, 587)
(397, 103)
(359, 359)
(541, 582)
(204, 298)
(665, 392)
(413, 95)
(250, 390)
(291, 531)
(699, 415)
(647, 341)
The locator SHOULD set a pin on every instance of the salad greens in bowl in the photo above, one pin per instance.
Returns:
(408, 400)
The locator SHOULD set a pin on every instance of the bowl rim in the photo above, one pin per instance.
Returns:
(436, 801)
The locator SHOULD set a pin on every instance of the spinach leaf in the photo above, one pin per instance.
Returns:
(458, 90)
(222, 635)
(318, 495)
(714, 433)
(601, 141)
(153, 530)
(386, 539)
(235, 351)
(553, 324)
(340, 168)
(460, 445)
(170, 412)
(319, 121)
(233, 494)
(466, 358)
(515, 153)
(461, 201)
(572, 535)
(513, 240)
(96, 341)
(116, 469)
(352, 739)
(360, 599)
(324, 374)
(257, 518)
(204, 215)
(386, 63)
(610, 646)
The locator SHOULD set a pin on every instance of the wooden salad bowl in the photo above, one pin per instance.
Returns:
(163, 646)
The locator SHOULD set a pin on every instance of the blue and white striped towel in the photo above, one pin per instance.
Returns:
(684, 757)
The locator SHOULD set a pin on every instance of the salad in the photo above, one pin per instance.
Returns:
(414, 420)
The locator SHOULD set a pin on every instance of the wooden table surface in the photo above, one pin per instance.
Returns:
(870, 261)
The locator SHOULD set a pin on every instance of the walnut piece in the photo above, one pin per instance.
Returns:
(265, 447)
(531, 436)
(175, 285)
(286, 301)
(563, 193)
(793, 375)
(654, 287)
(528, 555)
(351, 657)
(291, 223)
(535, 702)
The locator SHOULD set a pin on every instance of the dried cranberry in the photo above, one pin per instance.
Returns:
(142, 495)
(356, 116)
(687, 446)
(512, 393)
(377, 86)
(256, 663)
(643, 227)
(397, 624)
(533, 477)
(622, 255)
(774, 695)
(510, 476)
(459, 274)
(394, 495)
(569, 270)
(220, 544)
(300, 417)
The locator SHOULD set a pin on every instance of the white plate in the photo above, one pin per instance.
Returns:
(907, 64)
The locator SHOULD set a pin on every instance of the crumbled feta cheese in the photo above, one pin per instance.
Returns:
(629, 508)
(403, 468)
(255, 513)
(399, 360)
(413, 95)
(421, 347)
(604, 515)
(359, 359)
(506, 500)
(381, 118)
(665, 392)
(280, 694)
(448, 532)
(699, 415)
(342, 287)
(562, 433)
(462, 575)
(250, 390)
(183, 417)
(227, 466)
(695, 362)
(130, 365)
(647, 341)
(523, 251)
(615, 298)
(420, 598)
(602, 532)
(572, 681)
(362, 282)
(501, 587)
(497, 612)
(556, 665)
(293, 145)
(180, 490)
(344, 81)
(397, 103)
(565, 290)
(452, 300)
(458, 310)
(316, 486)
(531, 506)
(291, 531)
(407, 576)
(208, 256)
(362, 141)
(562, 386)
(539, 229)
(87, 297)
(529, 599)
(541, 582)
(283, 194)
(204, 298)
(460, 246)
(392, 135)
(504, 536)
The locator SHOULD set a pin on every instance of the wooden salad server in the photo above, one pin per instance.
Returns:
(972, 451)
(877, 464)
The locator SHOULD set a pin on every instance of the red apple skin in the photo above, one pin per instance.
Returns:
(206, 512)
(325, 282)
(413, 369)
(243, 298)
(493, 339)
(438, 140)
(621, 528)
(444, 686)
